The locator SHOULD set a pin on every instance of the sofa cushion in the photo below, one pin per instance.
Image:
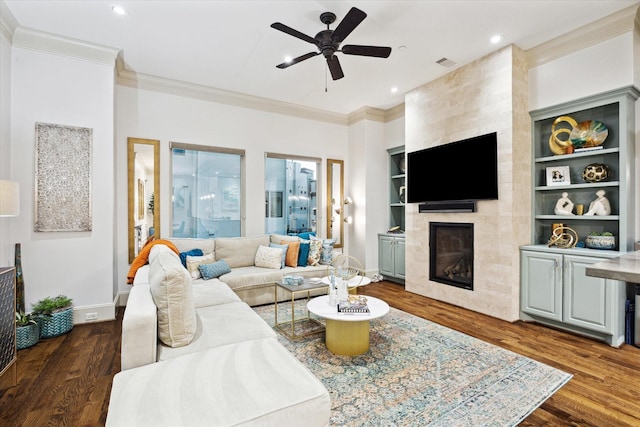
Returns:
(207, 246)
(193, 262)
(268, 257)
(212, 292)
(291, 259)
(219, 325)
(252, 383)
(172, 293)
(214, 269)
(315, 250)
(303, 255)
(326, 255)
(192, 252)
(284, 251)
(249, 277)
(143, 257)
(239, 251)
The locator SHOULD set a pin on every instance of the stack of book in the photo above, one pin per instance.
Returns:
(357, 307)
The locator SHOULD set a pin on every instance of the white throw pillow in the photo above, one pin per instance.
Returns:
(193, 262)
(172, 293)
(268, 257)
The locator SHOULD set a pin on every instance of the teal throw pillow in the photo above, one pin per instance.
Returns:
(284, 251)
(307, 235)
(192, 252)
(303, 254)
(213, 270)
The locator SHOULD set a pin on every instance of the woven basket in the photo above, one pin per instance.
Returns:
(59, 323)
(27, 336)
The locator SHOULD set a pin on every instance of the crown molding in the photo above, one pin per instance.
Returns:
(41, 41)
(206, 93)
(606, 28)
(8, 23)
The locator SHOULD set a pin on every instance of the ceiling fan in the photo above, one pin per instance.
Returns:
(328, 41)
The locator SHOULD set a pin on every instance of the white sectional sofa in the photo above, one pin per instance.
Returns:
(194, 354)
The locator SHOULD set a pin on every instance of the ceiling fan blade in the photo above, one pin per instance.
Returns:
(298, 59)
(335, 68)
(353, 18)
(295, 33)
(377, 51)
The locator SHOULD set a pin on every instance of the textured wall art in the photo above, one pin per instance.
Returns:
(63, 178)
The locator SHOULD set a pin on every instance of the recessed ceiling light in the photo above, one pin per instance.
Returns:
(394, 89)
(496, 39)
(288, 59)
(119, 10)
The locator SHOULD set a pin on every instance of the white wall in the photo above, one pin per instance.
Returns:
(580, 74)
(165, 117)
(599, 68)
(6, 238)
(367, 183)
(62, 90)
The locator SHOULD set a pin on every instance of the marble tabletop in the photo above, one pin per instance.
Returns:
(626, 268)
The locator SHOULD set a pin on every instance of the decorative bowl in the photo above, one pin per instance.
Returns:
(595, 172)
(590, 133)
(600, 242)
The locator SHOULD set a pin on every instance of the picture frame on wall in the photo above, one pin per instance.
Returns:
(558, 175)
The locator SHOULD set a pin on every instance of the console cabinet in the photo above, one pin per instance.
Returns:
(391, 256)
(555, 290)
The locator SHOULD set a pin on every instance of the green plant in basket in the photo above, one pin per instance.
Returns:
(47, 306)
(27, 330)
(23, 319)
(54, 315)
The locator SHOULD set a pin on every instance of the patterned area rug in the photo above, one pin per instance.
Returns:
(419, 373)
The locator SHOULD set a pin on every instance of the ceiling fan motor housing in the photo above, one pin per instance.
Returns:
(326, 44)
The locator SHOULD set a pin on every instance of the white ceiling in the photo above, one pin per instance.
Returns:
(229, 44)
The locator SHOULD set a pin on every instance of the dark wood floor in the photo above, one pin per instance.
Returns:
(66, 381)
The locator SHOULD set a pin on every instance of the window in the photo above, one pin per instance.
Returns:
(290, 194)
(206, 191)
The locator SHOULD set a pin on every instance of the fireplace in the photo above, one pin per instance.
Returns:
(451, 254)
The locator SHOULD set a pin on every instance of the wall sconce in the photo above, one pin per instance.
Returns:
(9, 198)
(348, 201)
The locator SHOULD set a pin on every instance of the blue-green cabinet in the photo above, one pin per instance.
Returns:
(556, 291)
(391, 256)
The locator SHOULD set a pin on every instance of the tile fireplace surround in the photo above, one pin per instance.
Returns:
(488, 95)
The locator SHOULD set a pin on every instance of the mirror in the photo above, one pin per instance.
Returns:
(335, 197)
(143, 175)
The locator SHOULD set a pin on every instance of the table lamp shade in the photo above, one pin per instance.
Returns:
(9, 198)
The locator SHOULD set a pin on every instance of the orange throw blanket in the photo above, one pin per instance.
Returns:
(143, 257)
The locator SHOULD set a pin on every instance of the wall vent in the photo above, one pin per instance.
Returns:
(446, 62)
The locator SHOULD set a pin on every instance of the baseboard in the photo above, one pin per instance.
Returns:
(94, 313)
(122, 298)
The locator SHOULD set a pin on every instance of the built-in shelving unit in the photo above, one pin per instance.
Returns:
(555, 289)
(397, 187)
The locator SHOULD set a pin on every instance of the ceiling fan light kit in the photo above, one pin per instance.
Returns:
(328, 41)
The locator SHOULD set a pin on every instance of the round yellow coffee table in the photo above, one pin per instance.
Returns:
(347, 334)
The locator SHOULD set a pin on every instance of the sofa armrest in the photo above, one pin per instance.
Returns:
(139, 329)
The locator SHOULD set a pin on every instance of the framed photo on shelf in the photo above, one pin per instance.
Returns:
(558, 175)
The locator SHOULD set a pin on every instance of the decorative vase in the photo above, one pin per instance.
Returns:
(27, 336)
(19, 280)
(59, 323)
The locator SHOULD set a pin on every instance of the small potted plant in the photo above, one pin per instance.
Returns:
(604, 240)
(55, 315)
(27, 330)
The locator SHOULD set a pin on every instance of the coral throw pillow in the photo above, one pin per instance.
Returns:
(143, 257)
(291, 259)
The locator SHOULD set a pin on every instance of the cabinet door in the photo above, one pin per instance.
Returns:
(399, 258)
(385, 255)
(588, 301)
(541, 292)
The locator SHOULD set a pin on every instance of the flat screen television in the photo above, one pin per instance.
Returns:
(464, 170)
